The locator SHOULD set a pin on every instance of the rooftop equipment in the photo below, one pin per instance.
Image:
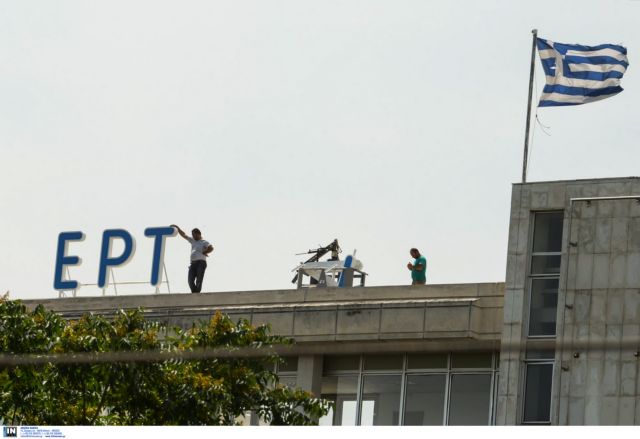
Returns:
(330, 273)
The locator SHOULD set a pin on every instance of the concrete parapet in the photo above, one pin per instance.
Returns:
(431, 312)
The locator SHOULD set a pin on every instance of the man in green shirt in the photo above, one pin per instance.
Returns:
(418, 268)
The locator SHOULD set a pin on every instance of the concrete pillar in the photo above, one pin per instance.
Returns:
(309, 375)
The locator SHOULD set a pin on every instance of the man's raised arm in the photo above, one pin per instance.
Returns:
(184, 235)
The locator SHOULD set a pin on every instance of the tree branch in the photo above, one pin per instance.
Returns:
(102, 399)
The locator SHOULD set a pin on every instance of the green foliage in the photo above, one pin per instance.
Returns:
(210, 391)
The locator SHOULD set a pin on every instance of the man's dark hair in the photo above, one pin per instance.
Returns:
(196, 230)
(415, 250)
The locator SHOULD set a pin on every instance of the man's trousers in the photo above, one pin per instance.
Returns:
(196, 275)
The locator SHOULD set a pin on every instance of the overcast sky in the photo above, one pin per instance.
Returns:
(277, 126)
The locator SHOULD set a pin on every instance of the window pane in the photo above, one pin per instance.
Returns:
(380, 400)
(537, 398)
(547, 235)
(544, 301)
(336, 363)
(327, 419)
(343, 391)
(427, 361)
(545, 264)
(470, 399)
(382, 362)
(289, 380)
(290, 364)
(424, 403)
(540, 354)
(471, 361)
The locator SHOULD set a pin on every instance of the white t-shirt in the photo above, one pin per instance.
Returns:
(197, 247)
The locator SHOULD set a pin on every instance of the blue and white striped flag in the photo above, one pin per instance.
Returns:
(578, 74)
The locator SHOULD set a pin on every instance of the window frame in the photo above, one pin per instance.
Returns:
(531, 276)
(445, 403)
(531, 339)
(492, 370)
(287, 374)
(527, 363)
(530, 309)
(491, 385)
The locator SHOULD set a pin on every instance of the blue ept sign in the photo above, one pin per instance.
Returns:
(106, 259)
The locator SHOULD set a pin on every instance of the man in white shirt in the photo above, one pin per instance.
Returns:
(200, 250)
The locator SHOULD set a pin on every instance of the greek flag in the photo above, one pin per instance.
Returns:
(578, 74)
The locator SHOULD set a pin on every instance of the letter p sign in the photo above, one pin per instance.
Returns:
(106, 260)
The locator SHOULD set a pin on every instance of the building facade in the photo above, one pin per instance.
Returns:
(557, 343)
(570, 340)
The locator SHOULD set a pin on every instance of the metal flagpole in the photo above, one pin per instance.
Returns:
(526, 134)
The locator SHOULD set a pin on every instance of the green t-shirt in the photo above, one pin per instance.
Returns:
(419, 275)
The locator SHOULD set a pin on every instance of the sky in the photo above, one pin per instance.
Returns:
(277, 126)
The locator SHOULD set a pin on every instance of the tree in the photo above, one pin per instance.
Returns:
(135, 388)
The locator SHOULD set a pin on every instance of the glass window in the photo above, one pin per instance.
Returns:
(383, 362)
(343, 391)
(537, 398)
(289, 364)
(545, 272)
(470, 399)
(337, 363)
(470, 361)
(427, 361)
(545, 264)
(288, 380)
(547, 234)
(435, 388)
(380, 400)
(424, 401)
(540, 354)
(544, 301)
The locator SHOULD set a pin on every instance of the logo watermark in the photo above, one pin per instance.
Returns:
(9, 431)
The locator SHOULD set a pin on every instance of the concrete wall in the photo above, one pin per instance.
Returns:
(332, 320)
(598, 303)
